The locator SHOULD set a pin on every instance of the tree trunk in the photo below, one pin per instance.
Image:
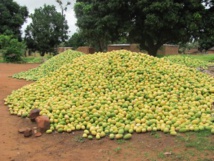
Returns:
(150, 46)
(42, 54)
(101, 45)
(153, 51)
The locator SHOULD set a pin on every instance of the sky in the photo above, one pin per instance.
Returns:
(33, 4)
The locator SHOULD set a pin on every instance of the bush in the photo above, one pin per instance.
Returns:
(12, 50)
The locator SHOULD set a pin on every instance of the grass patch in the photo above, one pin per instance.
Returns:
(117, 149)
(198, 140)
(193, 61)
(204, 57)
(181, 157)
(192, 153)
(79, 139)
(31, 59)
(155, 134)
(120, 141)
(36, 59)
(146, 154)
(161, 155)
(1, 60)
(206, 159)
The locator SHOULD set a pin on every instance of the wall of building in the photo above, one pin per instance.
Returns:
(135, 48)
(86, 49)
(130, 47)
(210, 51)
(168, 49)
(62, 49)
(119, 47)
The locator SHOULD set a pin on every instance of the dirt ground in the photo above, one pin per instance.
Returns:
(71, 147)
(209, 71)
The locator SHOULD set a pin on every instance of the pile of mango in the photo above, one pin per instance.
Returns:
(119, 93)
(49, 66)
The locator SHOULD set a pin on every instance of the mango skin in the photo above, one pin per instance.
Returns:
(127, 136)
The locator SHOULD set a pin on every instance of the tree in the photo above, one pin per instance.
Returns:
(76, 40)
(149, 23)
(187, 46)
(12, 16)
(158, 22)
(101, 22)
(206, 37)
(11, 49)
(47, 30)
(63, 8)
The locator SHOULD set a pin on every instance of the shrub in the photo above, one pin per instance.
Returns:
(12, 50)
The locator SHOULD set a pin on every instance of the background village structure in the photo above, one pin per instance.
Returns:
(166, 49)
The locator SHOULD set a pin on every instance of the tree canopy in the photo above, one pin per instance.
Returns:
(206, 36)
(76, 40)
(160, 22)
(149, 23)
(63, 7)
(101, 22)
(12, 50)
(12, 17)
(47, 30)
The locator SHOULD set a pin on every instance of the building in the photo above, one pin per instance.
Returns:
(130, 47)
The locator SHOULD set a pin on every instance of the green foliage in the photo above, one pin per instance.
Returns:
(102, 22)
(160, 22)
(12, 17)
(76, 40)
(1, 59)
(150, 23)
(206, 38)
(187, 46)
(47, 30)
(63, 8)
(12, 50)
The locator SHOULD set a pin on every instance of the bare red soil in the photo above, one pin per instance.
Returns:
(71, 147)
